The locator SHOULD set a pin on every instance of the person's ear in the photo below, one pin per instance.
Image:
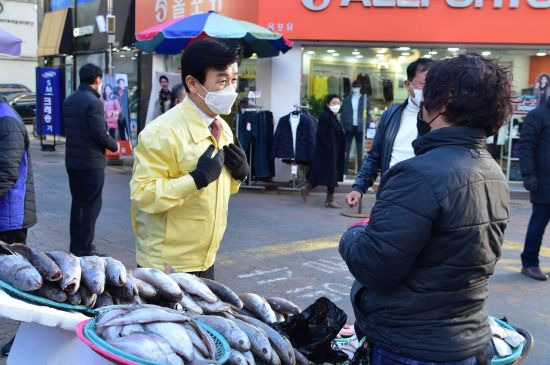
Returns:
(191, 83)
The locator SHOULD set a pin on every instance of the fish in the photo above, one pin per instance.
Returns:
(167, 287)
(175, 335)
(141, 345)
(212, 308)
(103, 300)
(74, 299)
(88, 298)
(173, 358)
(259, 342)
(236, 338)
(19, 273)
(93, 273)
(275, 359)
(280, 317)
(282, 305)
(111, 332)
(224, 293)
(236, 358)
(108, 315)
(115, 272)
(249, 358)
(52, 292)
(146, 290)
(259, 306)
(188, 303)
(200, 340)
(70, 268)
(496, 329)
(300, 358)
(193, 285)
(280, 343)
(128, 290)
(513, 338)
(146, 315)
(501, 347)
(131, 328)
(41, 262)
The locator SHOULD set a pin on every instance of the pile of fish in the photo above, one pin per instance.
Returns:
(504, 339)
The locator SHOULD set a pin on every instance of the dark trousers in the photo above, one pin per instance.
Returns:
(382, 357)
(350, 136)
(15, 236)
(256, 137)
(537, 224)
(86, 188)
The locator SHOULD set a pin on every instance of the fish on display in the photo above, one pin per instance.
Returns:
(70, 268)
(88, 298)
(128, 290)
(259, 342)
(259, 306)
(111, 332)
(282, 305)
(141, 345)
(41, 262)
(146, 315)
(93, 273)
(19, 273)
(131, 328)
(173, 358)
(211, 308)
(193, 285)
(108, 315)
(146, 290)
(236, 358)
(189, 303)
(52, 292)
(175, 335)
(202, 342)
(275, 360)
(249, 358)
(103, 300)
(115, 272)
(224, 293)
(501, 347)
(236, 338)
(167, 287)
(74, 299)
(300, 358)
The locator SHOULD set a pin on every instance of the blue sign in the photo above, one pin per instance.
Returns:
(49, 96)
(63, 4)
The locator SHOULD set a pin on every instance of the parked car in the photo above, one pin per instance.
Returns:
(25, 105)
(10, 89)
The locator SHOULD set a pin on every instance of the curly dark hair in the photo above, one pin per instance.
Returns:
(474, 91)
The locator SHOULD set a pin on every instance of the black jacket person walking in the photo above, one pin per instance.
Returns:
(87, 140)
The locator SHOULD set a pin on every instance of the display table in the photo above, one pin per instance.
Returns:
(46, 335)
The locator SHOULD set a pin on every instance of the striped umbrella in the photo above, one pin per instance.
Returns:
(173, 36)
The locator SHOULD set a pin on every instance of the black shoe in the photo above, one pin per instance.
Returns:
(534, 272)
(7, 347)
(87, 253)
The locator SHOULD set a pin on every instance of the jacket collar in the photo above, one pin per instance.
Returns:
(197, 127)
(451, 136)
(86, 87)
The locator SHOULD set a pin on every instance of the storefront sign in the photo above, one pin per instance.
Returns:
(48, 101)
(82, 31)
(319, 5)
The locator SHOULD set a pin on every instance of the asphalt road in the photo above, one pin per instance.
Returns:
(276, 245)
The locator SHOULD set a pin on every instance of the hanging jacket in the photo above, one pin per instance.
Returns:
(283, 144)
(17, 204)
(174, 222)
(422, 264)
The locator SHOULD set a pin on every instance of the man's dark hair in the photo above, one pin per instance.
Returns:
(175, 94)
(420, 65)
(163, 77)
(208, 53)
(475, 91)
(88, 73)
(119, 80)
(329, 99)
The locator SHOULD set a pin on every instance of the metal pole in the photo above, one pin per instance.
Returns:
(110, 52)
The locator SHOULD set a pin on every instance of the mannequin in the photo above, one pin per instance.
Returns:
(354, 112)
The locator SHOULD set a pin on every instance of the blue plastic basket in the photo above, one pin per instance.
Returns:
(517, 351)
(222, 347)
(34, 299)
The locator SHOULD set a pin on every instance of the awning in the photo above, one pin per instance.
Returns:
(55, 35)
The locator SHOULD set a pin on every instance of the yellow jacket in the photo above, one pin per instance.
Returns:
(172, 220)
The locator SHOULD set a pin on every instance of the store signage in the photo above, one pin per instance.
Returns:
(319, 5)
(82, 31)
(48, 101)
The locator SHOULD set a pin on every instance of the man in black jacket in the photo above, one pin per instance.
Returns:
(423, 262)
(394, 134)
(87, 140)
(535, 168)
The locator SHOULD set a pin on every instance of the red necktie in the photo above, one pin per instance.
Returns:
(215, 129)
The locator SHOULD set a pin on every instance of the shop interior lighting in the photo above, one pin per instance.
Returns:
(404, 49)
(453, 49)
(427, 56)
(405, 54)
(330, 51)
(355, 53)
(486, 53)
(382, 50)
(541, 54)
(433, 52)
(380, 55)
(335, 54)
(310, 52)
(359, 56)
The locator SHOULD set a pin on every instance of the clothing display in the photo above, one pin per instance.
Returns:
(366, 87)
(355, 110)
(402, 145)
(319, 86)
(300, 146)
(387, 89)
(335, 85)
(347, 85)
(255, 133)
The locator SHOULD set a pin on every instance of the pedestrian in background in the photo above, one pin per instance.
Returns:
(86, 141)
(422, 264)
(327, 167)
(177, 95)
(17, 205)
(535, 168)
(112, 110)
(187, 166)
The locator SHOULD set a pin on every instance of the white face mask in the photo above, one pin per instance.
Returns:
(418, 97)
(220, 102)
(334, 108)
(356, 90)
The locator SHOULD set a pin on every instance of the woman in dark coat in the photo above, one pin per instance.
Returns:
(327, 168)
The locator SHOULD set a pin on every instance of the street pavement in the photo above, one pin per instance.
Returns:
(276, 245)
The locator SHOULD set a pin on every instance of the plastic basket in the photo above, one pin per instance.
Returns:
(516, 354)
(34, 299)
(86, 332)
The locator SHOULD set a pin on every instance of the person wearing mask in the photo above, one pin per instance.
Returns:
(327, 167)
(534, 161)
(112, 110)
(187, 166)
(354, 116)
(394, 134)
(164, 94)
(423, 263)
(87, 139)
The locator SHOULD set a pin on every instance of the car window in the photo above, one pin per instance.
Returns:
(7, 89)
(27, 99)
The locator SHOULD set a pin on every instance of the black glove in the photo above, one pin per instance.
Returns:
(530, 183)
(235, 160)
(208, 168)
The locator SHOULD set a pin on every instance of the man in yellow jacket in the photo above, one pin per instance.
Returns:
(186, 166)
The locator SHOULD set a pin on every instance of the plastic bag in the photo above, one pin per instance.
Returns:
(312, 331)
